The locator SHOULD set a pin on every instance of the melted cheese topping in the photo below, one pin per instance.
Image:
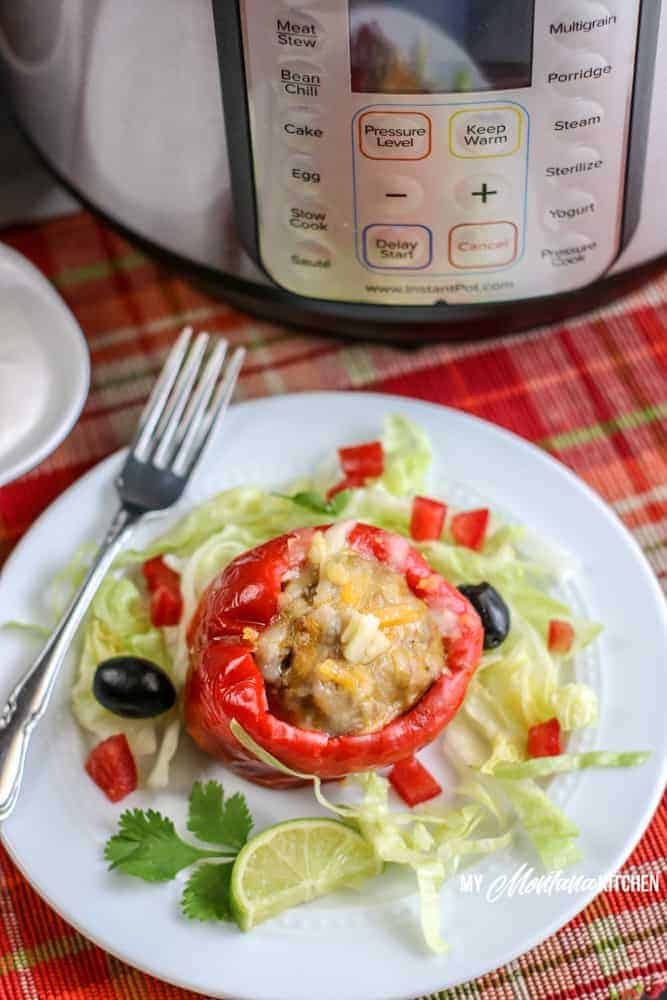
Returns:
(352, 647)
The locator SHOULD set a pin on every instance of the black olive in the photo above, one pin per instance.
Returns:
(491, 608)
(133, 687)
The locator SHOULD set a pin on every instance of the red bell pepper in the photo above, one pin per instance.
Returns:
(561, 636)
(164, 585)
(225, 683)
(112, 767)
(469, 528)
(413, 782)
(544, 739)
(427, 520)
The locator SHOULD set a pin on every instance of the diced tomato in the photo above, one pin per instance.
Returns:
(164, 584)
(363, 461)
(158, 574)
(349, 483)
(561, 636)
(544, 739)
(656, 991)
(166, 607)
(469, 528)
(111, 766)
(413, 782)
(428, 519)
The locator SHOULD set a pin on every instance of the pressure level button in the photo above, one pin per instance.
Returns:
(395, 135)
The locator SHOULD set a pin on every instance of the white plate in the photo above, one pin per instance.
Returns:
(363, 946)
(54, 347)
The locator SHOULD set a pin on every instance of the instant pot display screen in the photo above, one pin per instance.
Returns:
(440, 46)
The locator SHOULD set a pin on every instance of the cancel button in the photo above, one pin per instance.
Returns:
(490, 244)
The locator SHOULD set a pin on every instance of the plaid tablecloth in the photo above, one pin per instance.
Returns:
(593, 392)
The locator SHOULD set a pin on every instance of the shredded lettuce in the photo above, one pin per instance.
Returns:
(575, 706)
(519, 685)
(261, 515)
(28, 628)
(65, 583)
(432, 842)
(551, 833)
(407, 456)
(543, 767)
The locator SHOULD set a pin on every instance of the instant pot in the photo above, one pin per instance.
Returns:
(407, 167)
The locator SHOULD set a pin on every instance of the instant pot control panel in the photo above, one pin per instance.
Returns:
(408, 152)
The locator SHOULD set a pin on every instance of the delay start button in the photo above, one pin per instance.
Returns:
(490, 244)
(408, 248)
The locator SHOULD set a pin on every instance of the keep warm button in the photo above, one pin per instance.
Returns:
(491, 244)
(407, 248)
(486, 133)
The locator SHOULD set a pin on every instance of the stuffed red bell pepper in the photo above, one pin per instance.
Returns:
(338, 649)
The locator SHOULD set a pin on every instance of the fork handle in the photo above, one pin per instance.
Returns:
(29, 699)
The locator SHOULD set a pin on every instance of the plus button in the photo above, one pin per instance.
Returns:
(484, 194)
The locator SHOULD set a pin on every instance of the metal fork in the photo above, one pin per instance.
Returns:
(180, 418)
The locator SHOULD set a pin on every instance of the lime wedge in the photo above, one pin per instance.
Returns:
(293, 862)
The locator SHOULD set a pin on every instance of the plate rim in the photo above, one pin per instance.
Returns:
(578, 901)
(81, 367)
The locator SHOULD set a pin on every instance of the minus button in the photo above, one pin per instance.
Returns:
(406, 194)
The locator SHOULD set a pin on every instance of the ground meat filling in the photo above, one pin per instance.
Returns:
(352, 647)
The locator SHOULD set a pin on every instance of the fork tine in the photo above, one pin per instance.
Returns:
(167, 429)
(218, 407)
(159, 395)
(196, 411)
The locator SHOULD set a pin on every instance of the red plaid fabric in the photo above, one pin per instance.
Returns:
(592, 391)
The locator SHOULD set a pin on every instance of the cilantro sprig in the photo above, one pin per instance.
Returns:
(206, 896)
(147, 846)
(216, 821)
(317, 504)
